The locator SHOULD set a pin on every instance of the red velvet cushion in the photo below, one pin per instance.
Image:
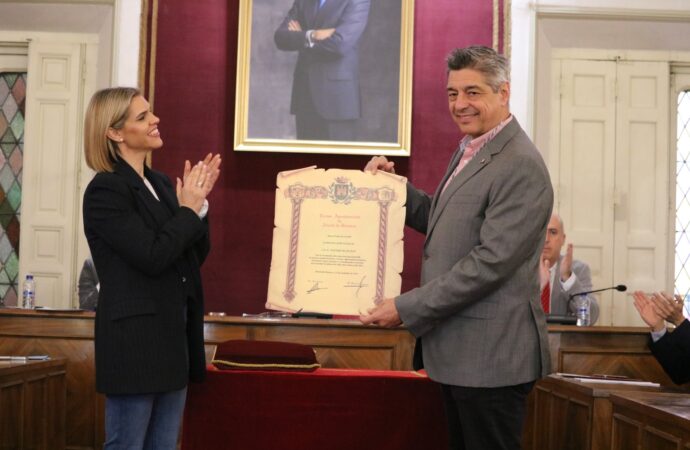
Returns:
(264, 355)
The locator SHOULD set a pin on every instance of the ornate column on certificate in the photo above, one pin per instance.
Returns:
(337, 241)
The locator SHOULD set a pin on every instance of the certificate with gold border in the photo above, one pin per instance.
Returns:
(337, 241)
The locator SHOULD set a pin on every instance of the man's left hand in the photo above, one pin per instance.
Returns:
(384, 315)
(567, 264)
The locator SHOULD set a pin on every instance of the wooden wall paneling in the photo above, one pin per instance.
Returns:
(626, 433)
(11, 402)
(659, 440)
(538, 420)
(32, 404)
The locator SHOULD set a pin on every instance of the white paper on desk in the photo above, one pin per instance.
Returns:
(628, 382)
(337, 241)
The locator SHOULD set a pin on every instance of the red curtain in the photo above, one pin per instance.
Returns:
(193, 91)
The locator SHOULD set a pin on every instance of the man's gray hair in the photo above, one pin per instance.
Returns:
(494, 66)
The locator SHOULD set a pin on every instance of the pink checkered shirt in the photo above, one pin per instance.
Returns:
(472, 147)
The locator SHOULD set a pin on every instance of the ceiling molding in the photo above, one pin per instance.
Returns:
(573, 12)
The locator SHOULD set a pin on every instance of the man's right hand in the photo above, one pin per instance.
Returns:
(645, 307)
(379, 163)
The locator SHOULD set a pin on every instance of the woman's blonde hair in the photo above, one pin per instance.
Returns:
(107, 109)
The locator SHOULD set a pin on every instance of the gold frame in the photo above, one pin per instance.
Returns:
(400, 148)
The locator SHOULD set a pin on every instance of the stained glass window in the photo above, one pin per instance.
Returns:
(12, 99)
(682, 266)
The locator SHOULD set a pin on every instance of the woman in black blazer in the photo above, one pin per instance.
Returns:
(148, 241)
(671, 349)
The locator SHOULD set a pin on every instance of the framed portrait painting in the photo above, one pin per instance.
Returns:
(324, 76)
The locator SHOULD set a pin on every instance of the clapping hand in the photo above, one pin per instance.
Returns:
(567, 264)
(198, 181)
(645, 306)
(544, 272)
(668, 307)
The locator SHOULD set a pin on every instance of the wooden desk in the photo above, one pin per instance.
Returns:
(569, 414)
(648, 420)
(32, 404)
(339, 344)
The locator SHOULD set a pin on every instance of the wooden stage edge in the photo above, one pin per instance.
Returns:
(338, 344)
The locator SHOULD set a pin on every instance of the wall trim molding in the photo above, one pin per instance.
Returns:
(75, 2)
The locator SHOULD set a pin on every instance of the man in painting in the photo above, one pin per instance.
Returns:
(325, 87)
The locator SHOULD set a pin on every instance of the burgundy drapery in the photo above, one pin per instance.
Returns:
(192, 82)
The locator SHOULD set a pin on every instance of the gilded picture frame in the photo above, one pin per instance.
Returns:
(265, 116)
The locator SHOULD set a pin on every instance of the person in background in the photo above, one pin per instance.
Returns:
(561, 276)
(481, 331)
(148, 240)
(325, 85)
(88, 286)
(671, 349)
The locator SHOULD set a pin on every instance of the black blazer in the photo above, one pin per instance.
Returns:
(149, 320)
(673, 353)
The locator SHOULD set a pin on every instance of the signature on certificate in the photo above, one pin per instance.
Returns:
(358, 286)
(316, 287)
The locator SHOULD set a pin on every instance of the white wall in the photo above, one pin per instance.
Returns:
(525, 31)
(126, 42)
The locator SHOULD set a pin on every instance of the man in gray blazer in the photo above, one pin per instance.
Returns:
(477, 314)
(562, 276)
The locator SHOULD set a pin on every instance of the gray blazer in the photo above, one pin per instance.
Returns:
(561, 303)
(477, 310)
(87, 287)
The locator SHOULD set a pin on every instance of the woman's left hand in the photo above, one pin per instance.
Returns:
(198, 181)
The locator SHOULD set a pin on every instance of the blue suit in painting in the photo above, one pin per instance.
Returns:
(325, 89)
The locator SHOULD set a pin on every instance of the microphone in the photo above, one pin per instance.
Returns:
(619, 288)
